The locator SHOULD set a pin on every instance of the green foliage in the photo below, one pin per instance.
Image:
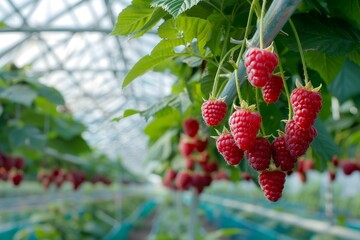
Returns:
(175, 7)
(195, 37)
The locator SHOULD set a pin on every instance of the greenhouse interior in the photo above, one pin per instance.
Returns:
(179, 119)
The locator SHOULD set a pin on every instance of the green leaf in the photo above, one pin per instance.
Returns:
(355, 56)
(188, 29)
(21, 94)
(346, 85)
(349, 11)
(162, 148)
(1, 110)
(2, 25)
(175, 7)
(51, 94)
(67, 128)
(327, 66)
(147, 63)
(160, 125)
(159, 106)
(323, 145)
(132, 19)
(27, 136)
(320, 33)
(271, 117)
(127, 113)
(156, 16)
(74, 146)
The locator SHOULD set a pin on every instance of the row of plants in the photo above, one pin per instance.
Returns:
(39, 133)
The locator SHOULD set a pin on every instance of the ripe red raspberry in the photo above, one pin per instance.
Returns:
(306, 105)
(298, 139)
(332, 176)
(190, 126)
(281, 155)
(335, 161)
(209, 167)
(190, 163)
(272, 184)
(259, 156)
(260, 63)
(349, 167)
(200, 144)
(213, 111)
(183, 180)
(186, 146)
(272, 89)
(227, 148)
(244, 125)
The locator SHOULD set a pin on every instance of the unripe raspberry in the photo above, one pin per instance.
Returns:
(272, 184)
(228, 149)
(244, 125)
(259, 156)
(213, 111)
(260, 63)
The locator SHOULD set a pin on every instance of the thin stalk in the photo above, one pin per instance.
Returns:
(285, 85)
(258, 107)
(238, 85)
(306, 76)
(223, 57)
(261, 24)
(246, 31)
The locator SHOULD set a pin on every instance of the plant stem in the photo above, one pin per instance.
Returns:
(261, 24)
(243, 48)
(223, 57)
(306, 76)
(284, 83)
(258, 107)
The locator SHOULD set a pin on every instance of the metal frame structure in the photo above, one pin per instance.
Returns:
(69, 43)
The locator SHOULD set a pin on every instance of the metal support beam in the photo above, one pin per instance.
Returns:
(55, 29)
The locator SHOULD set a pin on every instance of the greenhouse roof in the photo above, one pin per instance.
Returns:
(69, 43)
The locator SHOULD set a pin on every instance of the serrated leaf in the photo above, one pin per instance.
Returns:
(156, 16)
(175, 7)
(345, 85)
(327, 66)
(188, 29)
(355, 56)
(127, 113)
(132, 19)
(157, 107)
(21, 94)
(349, 11)
(320, 33)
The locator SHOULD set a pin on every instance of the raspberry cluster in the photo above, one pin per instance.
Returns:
(199, 169)
(11, 168)
(273, 160)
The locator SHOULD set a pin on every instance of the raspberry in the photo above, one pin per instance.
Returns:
(349, 167)
(298, 139)
(186, 147)
(190, 163)
(246, 176)
(227, 148)
(259, 156)
(200, 144)
(16, 178)
(209, 167)
(213, 111)
(281, 155)
(332, 176)
(183, 180)
(244, 125)
(306, 105)
(190, 126)
(335, 161)
(272, 184)
(260, 63)
(272, 89)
